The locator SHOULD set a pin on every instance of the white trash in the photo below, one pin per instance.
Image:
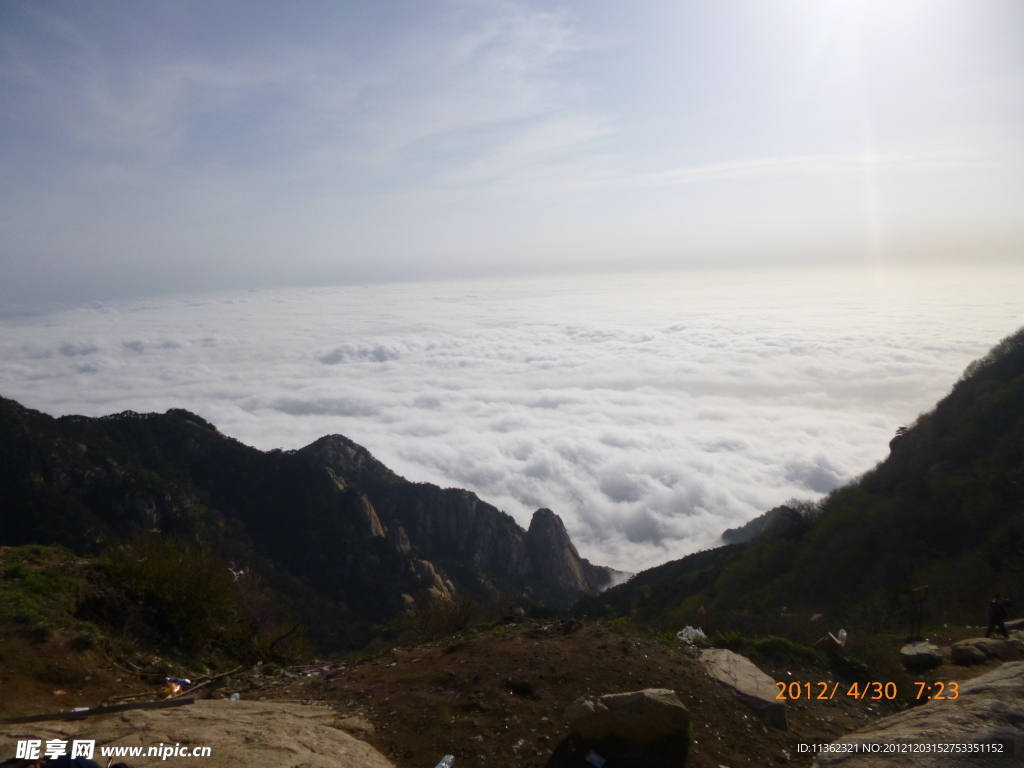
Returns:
(841, 637)
(689, 635)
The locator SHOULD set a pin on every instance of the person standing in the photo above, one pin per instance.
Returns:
(997, 615)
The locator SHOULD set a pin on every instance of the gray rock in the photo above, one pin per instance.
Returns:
(639, 717)
(989, 707)
(552, 554)
(921, 655)
(398, 538)
(448, 525)
(249, 733)
(752, 686)
(989, 648)
(967, 654)
(998, 648)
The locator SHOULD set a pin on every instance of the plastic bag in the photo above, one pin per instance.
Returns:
(690, 635)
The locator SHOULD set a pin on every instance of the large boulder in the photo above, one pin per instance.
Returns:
(967, 655)
(750, 685)
(639, 729)
(978, 649)
(249, 733)
(988, 708)
(639, 717)
(1010, 649)
(920, 655)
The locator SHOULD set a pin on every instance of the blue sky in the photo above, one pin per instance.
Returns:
(184, 146)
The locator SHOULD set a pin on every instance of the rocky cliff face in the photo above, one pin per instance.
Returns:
(554, 558)
(481, 548)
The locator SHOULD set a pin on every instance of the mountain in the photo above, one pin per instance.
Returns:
(944, 509)
(757, 526)
(482, 548)
(349, 543)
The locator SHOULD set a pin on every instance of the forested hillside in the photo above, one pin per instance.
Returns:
(945, 509)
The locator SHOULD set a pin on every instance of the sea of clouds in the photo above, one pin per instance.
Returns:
(651, 412)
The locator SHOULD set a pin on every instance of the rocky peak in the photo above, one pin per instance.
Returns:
(552, 554)
(453, 527)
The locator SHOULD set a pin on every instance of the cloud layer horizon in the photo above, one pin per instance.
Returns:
(650, 412)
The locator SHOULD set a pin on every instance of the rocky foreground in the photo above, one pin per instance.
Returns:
(988, 709)
(493, 699)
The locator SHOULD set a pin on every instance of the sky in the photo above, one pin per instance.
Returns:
(658, 266)
(161, 147)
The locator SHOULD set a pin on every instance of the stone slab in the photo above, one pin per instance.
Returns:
(249, 733)
(991, 706)
(752, 686)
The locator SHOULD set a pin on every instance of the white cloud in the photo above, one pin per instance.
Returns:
(650, 412)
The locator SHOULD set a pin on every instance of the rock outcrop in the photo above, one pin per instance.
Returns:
(553, 558)
(920, 655)
(431, 581)
(398, 538)
(989, 708)
(452, 528)
(368, 516)
(750, 685)
(249, 733)
(639, 729)
(977, 650)
(639, 717)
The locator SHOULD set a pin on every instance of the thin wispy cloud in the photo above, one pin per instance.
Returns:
(812, 166)
(357, 107)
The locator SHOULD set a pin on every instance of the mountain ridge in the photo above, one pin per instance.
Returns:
(350, 543)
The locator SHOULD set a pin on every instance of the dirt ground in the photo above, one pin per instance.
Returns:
(494, 699)
(51, 676)
(491, 699)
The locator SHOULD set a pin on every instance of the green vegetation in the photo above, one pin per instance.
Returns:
(41, 589)
(434, 620)
(156, 593)
(192, 600)
(429, 620)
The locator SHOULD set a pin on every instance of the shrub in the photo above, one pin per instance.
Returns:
(187, 596)
(433, 620)
(781, 650)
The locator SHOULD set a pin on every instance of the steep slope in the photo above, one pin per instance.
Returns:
(482, 548)
(946, 509)
(313, 535)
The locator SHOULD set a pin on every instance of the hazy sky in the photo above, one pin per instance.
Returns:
(170, 146)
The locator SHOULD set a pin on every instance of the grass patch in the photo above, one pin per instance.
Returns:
(155, 593)
(781, 650)
(41, 589)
